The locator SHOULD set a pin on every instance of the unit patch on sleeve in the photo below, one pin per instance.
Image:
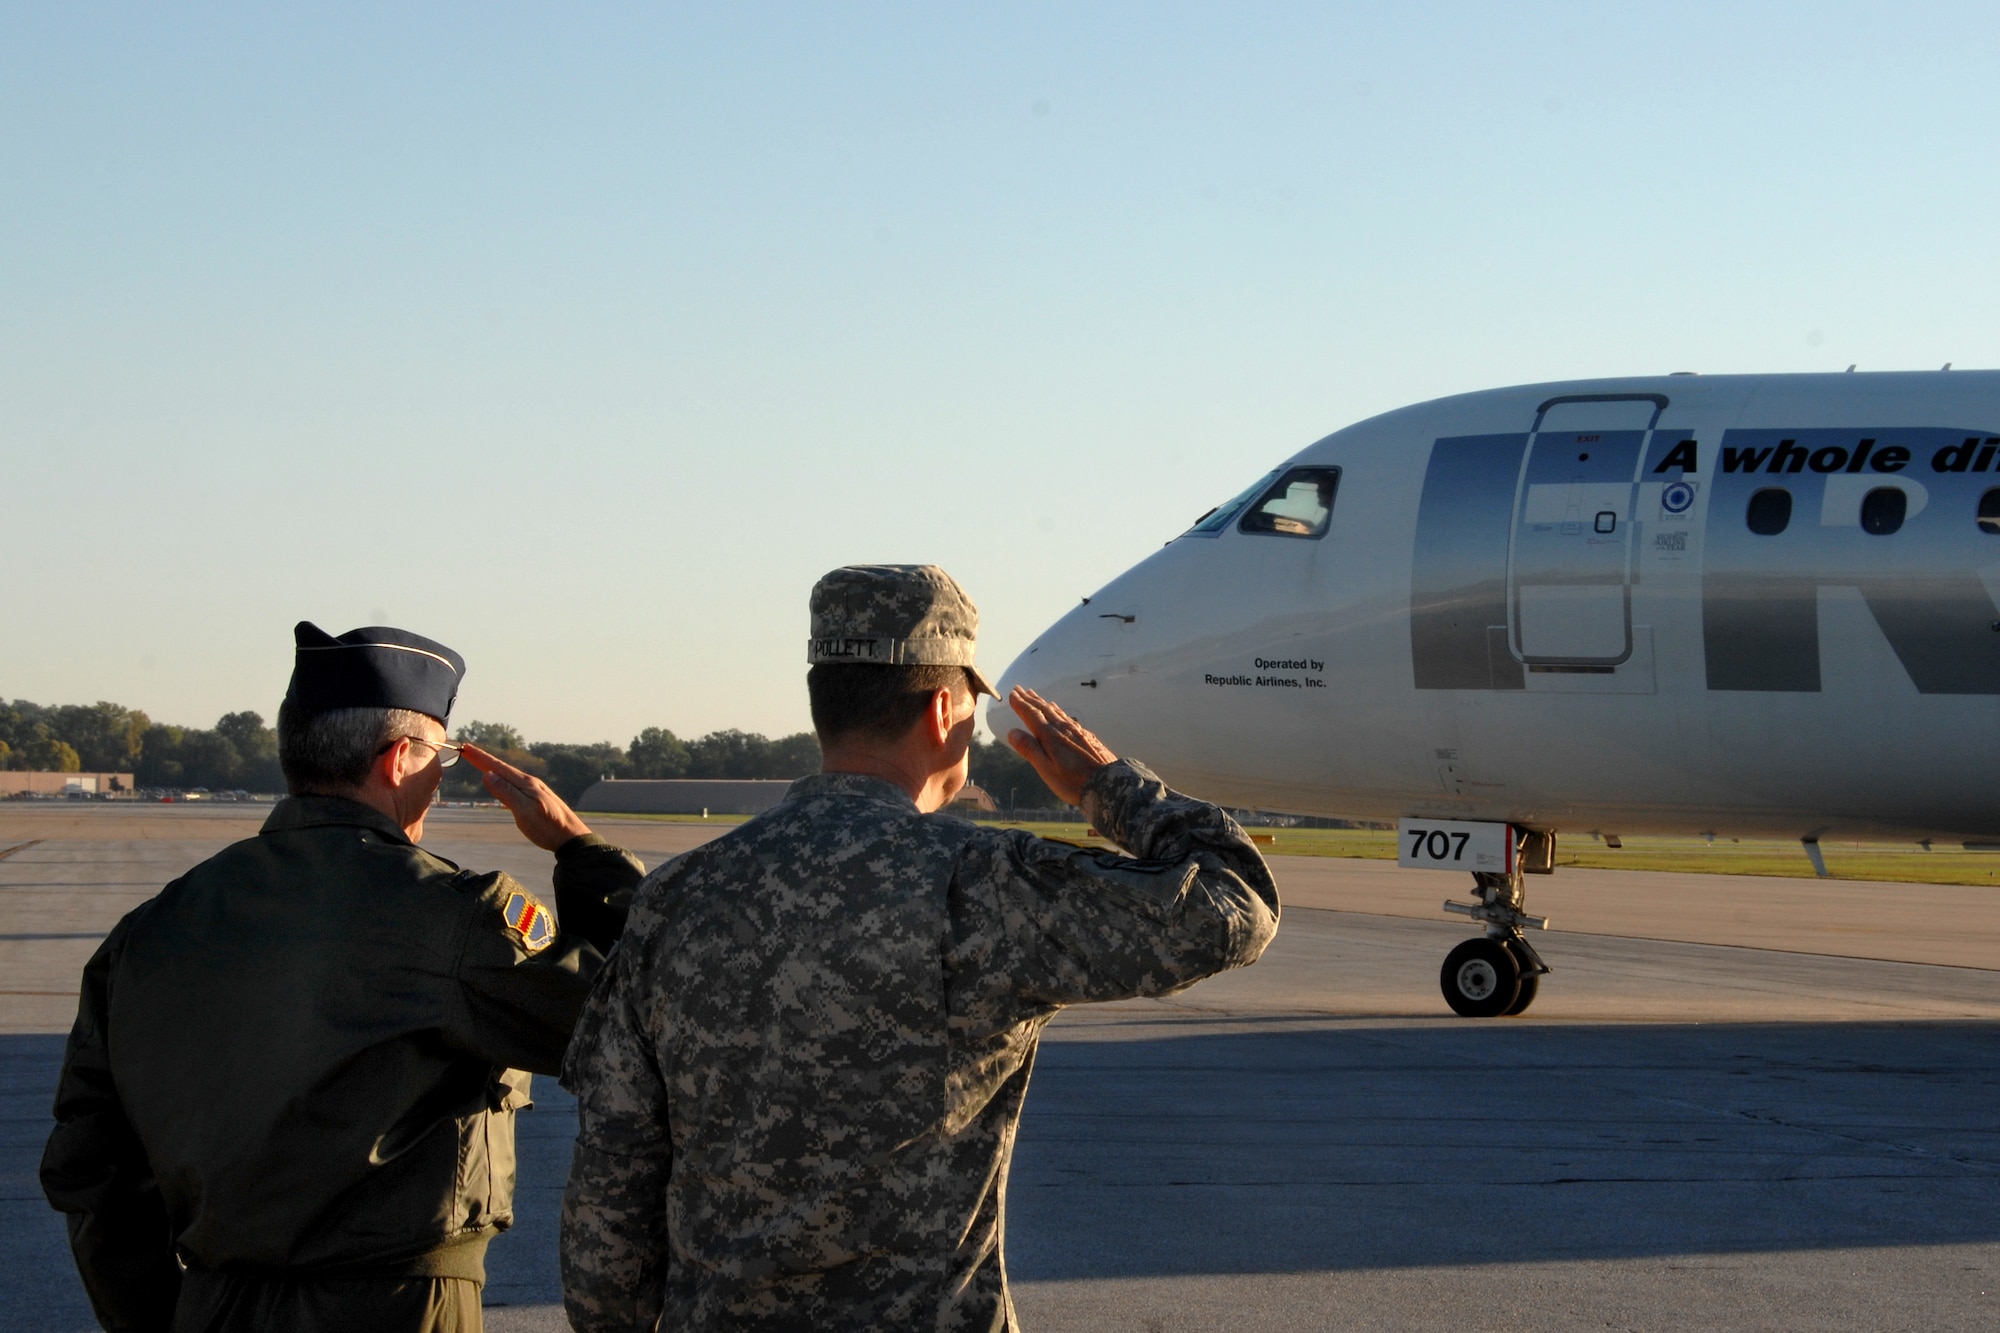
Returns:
(531, 921)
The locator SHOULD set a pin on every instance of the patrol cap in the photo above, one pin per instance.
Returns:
(373, 667)
(894, 615)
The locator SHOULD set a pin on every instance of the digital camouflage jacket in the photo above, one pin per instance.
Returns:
(799, 1076)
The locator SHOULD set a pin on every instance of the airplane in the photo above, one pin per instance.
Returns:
(1744, 605)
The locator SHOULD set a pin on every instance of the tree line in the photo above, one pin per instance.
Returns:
(653, 753)
(658, 753)
(238, 752)
(241, 752)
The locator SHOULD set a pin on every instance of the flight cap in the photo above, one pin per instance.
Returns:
(373, 667)
(894, 615)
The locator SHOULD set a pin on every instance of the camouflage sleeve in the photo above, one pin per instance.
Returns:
(95, 1170)
(594, 882)
(1043, 923)
(520, 982)
(614, 1221)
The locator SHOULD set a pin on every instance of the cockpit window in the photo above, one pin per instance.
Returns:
(1218, 518)
(1298, 504)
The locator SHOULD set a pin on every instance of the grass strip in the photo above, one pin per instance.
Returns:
(1892, 862)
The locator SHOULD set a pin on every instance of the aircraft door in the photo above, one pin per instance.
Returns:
(1569, 551)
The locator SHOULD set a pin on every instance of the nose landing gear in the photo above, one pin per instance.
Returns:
(1498, 973)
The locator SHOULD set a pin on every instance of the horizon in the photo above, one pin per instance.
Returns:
(585, 343)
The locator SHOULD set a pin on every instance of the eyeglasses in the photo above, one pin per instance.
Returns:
(447, 752)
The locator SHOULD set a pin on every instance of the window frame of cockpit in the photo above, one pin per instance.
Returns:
(1217, 520)
(1280, 486)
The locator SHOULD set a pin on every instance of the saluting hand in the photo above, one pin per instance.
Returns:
(1059, 748)
(543, 817)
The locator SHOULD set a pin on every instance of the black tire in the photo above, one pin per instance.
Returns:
(1531, 982)
(1480, 979)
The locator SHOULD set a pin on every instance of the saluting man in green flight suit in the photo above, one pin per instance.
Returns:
(288, 1100)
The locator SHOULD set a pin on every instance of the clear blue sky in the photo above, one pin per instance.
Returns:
(585, 338)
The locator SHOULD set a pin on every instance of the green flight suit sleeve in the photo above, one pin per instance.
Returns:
(594, 884)
(522, 980)
(1047, 924)
(614, 1220)
(95, 1170)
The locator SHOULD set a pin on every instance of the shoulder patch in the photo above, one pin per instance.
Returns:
(529, 920)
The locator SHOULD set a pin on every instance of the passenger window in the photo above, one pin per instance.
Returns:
(1771, 511)
(1298, 504)
(1882, 510)
(1989, 512)
(1216, 519)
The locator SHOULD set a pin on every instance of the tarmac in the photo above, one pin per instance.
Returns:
(1737, 1103)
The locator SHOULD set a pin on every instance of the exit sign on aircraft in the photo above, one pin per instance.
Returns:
(1453, 844)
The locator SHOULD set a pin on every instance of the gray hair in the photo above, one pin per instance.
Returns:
(327, 751)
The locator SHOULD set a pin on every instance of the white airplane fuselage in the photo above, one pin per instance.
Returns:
(1568, 606)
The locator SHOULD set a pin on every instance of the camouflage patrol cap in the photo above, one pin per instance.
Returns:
(894, 615)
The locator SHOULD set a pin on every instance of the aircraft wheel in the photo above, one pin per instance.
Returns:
(1531, 982)
(1481, 979)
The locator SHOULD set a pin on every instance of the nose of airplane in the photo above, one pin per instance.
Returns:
(1127, 662)
(1067, 661)
(1048, 666)
(1000, 719)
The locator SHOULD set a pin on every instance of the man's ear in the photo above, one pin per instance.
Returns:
(939, 720)
(387, 769)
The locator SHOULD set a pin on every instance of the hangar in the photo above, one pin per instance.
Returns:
(717, 796)
(23, 783)
(683, 796)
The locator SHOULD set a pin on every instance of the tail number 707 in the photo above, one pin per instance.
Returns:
(1453, 844)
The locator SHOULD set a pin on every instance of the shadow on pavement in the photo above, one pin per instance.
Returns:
(1392, 1146)
(1298, 1147)
(38, 1284)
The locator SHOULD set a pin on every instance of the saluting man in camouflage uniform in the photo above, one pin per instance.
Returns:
(288, 1100)
(799, 1077)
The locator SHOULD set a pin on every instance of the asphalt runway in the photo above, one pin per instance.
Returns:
(1738, 1103)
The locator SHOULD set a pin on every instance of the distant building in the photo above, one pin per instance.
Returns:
(682, 796)
(973, 797)
(717, 796)
(66, 784)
